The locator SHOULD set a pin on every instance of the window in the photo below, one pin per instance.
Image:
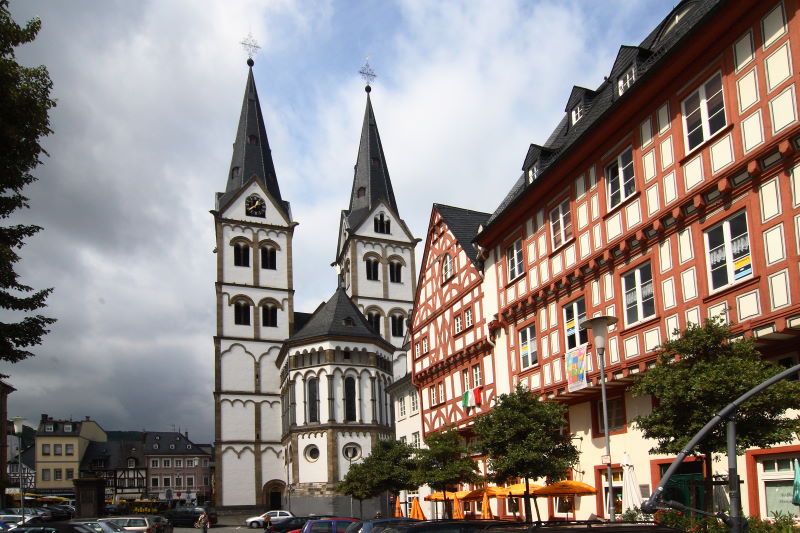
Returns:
(45, 474)
(153, 463)
(620, 178)
(70, 473)
(312, 397)
(57, 449)
(395, 272)
(704, 112)
(616, 415)
(48, 428)
(425, 345)
(269, 316)
(372, 269)
(465, 378)
(415, 439)
(457, 323)
(477, 380)
(155, 446)
(190, 463)
(69, 449)
(374, 320)
(178, 463)
(241, 255)
(401, 406)
(269, 258)
(154, 481)
(205, 463)
(350, 399)
(241, 313)
(625, 81)
(178, 481)
(561, 224)
(45, 449)
(447, 267)
(728, 249)
(527, 347)
(638, 288)
(414, 402)
(68, 428)
(189, 481)
(514, 259)
(166, 481)
(397, 325)
(417, 350)
(434, 399)
(57, 474)
(382, 224)
(577, 113)
(167, 463)
(441, 391)
(574, 315)
(468, 318)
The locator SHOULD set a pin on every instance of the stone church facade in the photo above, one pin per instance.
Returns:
(298, 397)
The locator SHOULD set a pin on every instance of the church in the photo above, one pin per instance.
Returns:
(299, 397)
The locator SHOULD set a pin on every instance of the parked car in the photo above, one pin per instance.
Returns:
(162, 524)
(58, 514)
(270, 517)
(378, 525)
(489, 526)
(53, 527)
(328, 525)
(144, 524)
(98, 526)
(290, 524)
(187, 516)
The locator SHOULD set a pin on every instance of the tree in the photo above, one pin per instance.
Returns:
(699, 373)
(523, 437)
(445, 462)
(388, 467)
(24, 118)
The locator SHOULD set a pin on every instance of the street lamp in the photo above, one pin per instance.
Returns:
(350, 452)
(18, 425)
(599, 326)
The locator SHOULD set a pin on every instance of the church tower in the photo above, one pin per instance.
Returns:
(375, 252)
(255, 314)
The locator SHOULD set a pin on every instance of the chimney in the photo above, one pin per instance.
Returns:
(186, 434)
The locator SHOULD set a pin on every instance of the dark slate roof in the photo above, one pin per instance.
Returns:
(338, 317)
(301, 319)
(253, 160)
(463, 224)
(115, 454)
(646, 57)
(59, 427)
(170, 443)
(125, 435)
(370, 172)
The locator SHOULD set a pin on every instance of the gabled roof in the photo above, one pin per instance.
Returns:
(673, 30)
(115, 454)
(338, 317)
(371, 173)
(252, 156)
(463, 224)
(578, 94)
(169, 443)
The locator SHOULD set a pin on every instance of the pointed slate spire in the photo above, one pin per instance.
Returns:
(251, 152)
(371, 182)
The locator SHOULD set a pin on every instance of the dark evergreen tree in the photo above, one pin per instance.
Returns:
(696, 375)
(24, 118)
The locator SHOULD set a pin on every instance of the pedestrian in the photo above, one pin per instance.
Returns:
(203, 521)
(378, 515)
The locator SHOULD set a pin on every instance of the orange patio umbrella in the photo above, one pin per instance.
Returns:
(458, 512)
(486, 510)
(477, 494)
(447, 495)
(398, 509)
(564, 488)
(518, 489)
(416, 510)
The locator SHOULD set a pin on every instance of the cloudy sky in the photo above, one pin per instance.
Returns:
(149, 94)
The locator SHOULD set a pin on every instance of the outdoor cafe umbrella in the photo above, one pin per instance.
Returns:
(398, 509)
(567, 487)
(416, 510)
(486, 510)
(477, 494)
(796, 485)
(631, 495)
(458, 512)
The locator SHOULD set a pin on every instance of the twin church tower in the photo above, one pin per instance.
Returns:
(300, 396)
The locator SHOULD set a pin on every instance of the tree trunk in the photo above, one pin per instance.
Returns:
(528, 511)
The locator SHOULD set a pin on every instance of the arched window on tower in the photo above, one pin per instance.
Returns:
(241, 313)
(396, 272)
(269, 258)
(382, 224)
(374, 319)
(241, 254)
(350, 399)
(372, 269)
(269, 316)
(312, 399)
(398, 323)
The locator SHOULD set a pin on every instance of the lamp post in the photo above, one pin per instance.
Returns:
(350, 453)
(18, 426)
(599, 326)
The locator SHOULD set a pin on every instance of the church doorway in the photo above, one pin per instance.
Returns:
(272, 495)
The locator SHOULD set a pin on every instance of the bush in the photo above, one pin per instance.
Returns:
(780, 523)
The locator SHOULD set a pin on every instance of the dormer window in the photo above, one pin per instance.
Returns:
(349, 322)
(625, 80)
(577, 113)
(252, 139)
(48, 428)
(382, 224)
(155, 446)
(361, 192)
(533, 172)
(68, 428)
(131, 463)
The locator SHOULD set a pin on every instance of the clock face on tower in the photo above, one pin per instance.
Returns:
(254, 206)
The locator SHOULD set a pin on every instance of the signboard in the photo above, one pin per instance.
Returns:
(605, 459)
(575, 368)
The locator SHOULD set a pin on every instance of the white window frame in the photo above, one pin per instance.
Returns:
(465, 379)
(468, 318)
(425, 345)
(414, 402)
(616, 175)
(625, 80)
(417, 350)
(703, 99)
(528, 354)
(477, 377)
(577, 113)
(514, 258)
(574, 325)
(447, 267)
(638, 290)
(434, 398)
(458, 323)
(731, 248)
(561, 224)
(401, 405)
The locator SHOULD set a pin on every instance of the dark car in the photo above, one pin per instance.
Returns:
(58, 513)
(328, 525)
(187, 516)
(295, 522)
(378, 525)
(54, 527)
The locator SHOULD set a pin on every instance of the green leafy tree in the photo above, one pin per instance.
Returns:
(24, 118)
(696, 375)
(358, 483)
(523, 437)
(445, 462)
(388, 468)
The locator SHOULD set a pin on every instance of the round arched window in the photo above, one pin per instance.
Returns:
(351, 451)
(311, 453)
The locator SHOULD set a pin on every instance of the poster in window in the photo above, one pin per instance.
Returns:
(575, 365)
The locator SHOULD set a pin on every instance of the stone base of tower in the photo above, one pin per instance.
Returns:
(320, 498)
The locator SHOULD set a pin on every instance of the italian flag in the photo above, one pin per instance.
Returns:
(472, 397)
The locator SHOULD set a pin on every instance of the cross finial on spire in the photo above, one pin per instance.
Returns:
(250, 46)
(367, 74)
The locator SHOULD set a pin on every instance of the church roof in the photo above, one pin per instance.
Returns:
(338, 317)
(371, 182)
(252, 157)
(463, 224)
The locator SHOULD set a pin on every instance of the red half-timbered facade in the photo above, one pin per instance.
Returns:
(667, 195)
